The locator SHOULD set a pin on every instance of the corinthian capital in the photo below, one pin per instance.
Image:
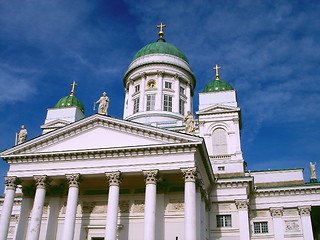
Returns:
(74, 179)
(151, 176)
(304, 210)
(41, 181)
(114, 178)
(189, 174)
(276, 212)
(242, 204)
(12, 182)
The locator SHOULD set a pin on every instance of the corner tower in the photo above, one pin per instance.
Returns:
(159, 85)
(219, 125)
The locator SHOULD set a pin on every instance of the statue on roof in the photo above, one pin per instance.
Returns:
(103, 104)
(22, 135)
(313, 172)
(190, 123)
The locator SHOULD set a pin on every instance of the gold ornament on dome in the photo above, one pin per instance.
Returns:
(72, 90)
(217, 71)
(161, 32)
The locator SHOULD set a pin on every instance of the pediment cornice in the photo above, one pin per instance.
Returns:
(97, 120)
(218, 108)
(94, 154)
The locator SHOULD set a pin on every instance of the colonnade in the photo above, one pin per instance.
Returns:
(114, 179)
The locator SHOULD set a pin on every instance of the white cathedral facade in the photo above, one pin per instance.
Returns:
(156, 174)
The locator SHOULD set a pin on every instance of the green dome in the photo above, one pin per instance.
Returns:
(160, 46)
(217, 85)
(69, 101)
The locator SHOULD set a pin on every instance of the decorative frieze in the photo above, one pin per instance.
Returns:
(12, 182)
(304, 210)
(151, 176)
(292, 226)
(41, 181)
(74, 179)
(114, 178)
(175, 205)
(242, 204)
(276, 212)
(138, 206)
(189, 174)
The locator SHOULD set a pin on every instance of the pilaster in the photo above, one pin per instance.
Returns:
(277, 214)
(242, 206)
(304, 212)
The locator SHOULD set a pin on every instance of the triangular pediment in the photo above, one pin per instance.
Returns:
(99, 132)
(217, 108)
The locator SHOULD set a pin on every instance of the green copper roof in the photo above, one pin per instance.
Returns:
(217, 85)
(160, 46)
(69, 101)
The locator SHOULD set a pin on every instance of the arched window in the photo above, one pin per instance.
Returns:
(219, 141)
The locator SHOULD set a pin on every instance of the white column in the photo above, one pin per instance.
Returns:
(150, 176)
(114, 179)
(53, 215)
(36, 215)
(242, 206)
(72, 203)
(190, 221)
(21, 229)
(276, 214)
(306, 222)
(142, 107)
(159, 96)
(189, 99)
(11, 185)
(176, 98)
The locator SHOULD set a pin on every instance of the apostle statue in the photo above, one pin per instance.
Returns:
(103, 104)
(22, 135)
(313, 173)
(190, 124)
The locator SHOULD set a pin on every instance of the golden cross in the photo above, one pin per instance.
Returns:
(217, 71)
(161, 32)
(73, 85)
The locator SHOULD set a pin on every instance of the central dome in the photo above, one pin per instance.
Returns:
(160, 46)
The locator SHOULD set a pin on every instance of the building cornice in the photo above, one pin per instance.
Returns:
(287, 190)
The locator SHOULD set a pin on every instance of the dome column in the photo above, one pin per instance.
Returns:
(159, 96)
(176, 84)
(142, 92)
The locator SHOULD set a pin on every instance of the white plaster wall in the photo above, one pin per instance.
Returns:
(70, 114)
(277, 176)
(227, 98)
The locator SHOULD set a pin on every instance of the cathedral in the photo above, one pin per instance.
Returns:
(160, 173)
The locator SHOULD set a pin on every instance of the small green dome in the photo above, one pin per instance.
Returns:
(160, 46)
(69, 101)
(217, 85)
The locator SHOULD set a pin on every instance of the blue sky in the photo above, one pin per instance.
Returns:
(268, 50)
